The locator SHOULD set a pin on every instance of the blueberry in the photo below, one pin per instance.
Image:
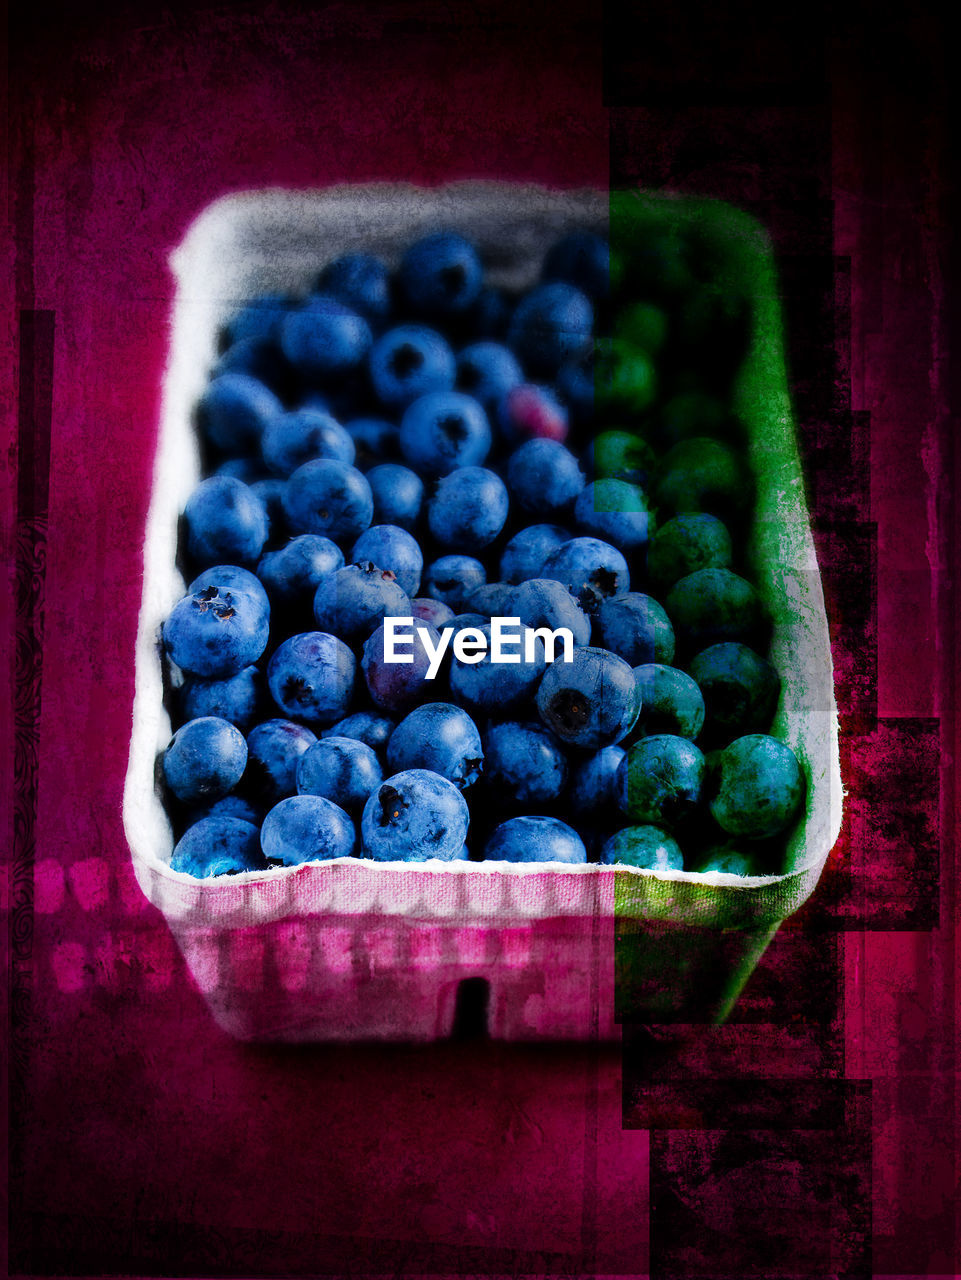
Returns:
(590, 702)
(426, 609)
(527, 552)
(622, 455)
(344, 770)
(330, 498)
(531, 412)
(306, 829)
(260, 318)
(550, 326)
(375, 440)
(369, 727)
(215, 634)
(544, 478)
(408, 362)
(217, 846)
(440, 737)
(274, 749)
(293, 573)
(235, 410)
(758, 789)
(324, 338)
(580, 258)
(398, 494)
(593, 787)
(728, 861)
(625, 378)
(440, 275)
(704, 475)
(393, 548)
(453, 579)
(647, 847)
(245, 468)
(544, 602)
(361, 282)
(397, 686)
(487, 371)
(230, 577)
(468, 509)
(353, 601)
(492, 600)
(311, 677)
(491, 313)
(443, 430)
(616, 512)
(691, 541)
(635, 627)
(671, 702)
(492, 689)
(535, 839)
(205, 759)
(660, 781)
(235, 698)
(271, 492)
(414, 816)
(574, 385)
(740, 689)
(590, 569)
(713, 606)
(295, 438)
(524, 762)
(231, 806)
(224, 522)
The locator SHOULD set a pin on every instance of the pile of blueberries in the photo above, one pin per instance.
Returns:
(418, 444)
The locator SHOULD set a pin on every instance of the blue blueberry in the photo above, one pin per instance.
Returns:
(353, 601)
(551, 325)
(487, 371)
(324, 338)
(235, 410)
(414, 816)
(580, 258)
(306, 828)
(492, 600)
(535, 839)
(271, 492)
(408, 362)
(758, 787)
(215, 634)
(344, 770)
(375, 440)
(440, 737)
(427, 609)
(593, 786)
(443, 430)
(398, 494)
(591, 570)
(544, 602)
(235, 698)
(311, 677)
(246, 468)
(260, 318)
(491, 313)
(218, 846)
(545, 478)
(397, 686)
(293, 573)
(359, 280)
(574, 385)
(393, 548)
(330, 498)
(635, 627)
(691, 541)
(740, 689)
(440, 275)
(230, 577)
(231, 806)
(488, 688)
(273, 749)
(590, 702)
(660, 781)
(647, 847)
(204, 759)
(295, 438)
(369, 727)
(616, 512)
(468, 509)
(453, 579)
(225, 522)
(524, 762)
(671, 702)
(527, 552)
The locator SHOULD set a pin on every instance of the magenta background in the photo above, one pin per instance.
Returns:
(144, 1141)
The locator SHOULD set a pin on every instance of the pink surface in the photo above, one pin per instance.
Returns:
(146, 1141)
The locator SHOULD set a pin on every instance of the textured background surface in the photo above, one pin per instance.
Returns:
(815, 1134)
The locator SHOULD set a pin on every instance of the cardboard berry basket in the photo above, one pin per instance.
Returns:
(353, 949)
